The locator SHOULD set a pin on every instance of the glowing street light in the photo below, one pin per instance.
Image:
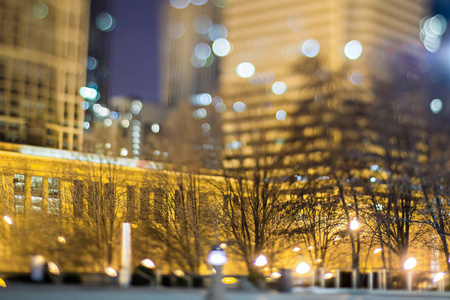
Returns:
(302, 268)
(260, 261)
(354, 224)
(217, 258)
(61, 240)
(110, 272)
(53, 268)
(409, 264)
(378, 250)
(439, 276)
(148, 263)
(8, 220)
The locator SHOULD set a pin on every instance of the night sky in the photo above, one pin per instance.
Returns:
(135, 46)
(135, 49)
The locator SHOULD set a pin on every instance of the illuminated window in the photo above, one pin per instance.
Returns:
(53, 196)
(36, 193)
(19, 193)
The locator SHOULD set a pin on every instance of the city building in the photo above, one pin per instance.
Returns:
(43, 47)
(299, 69)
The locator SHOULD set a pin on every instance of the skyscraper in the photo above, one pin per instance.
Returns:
(295, 64)
(43, 47)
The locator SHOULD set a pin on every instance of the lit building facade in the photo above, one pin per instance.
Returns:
(42, 65)
(302, 61)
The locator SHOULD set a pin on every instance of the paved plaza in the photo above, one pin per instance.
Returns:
(75, 292)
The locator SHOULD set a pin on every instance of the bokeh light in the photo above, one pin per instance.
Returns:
(310, 48)
(202, 51)
(202, 24)
(200, 113)
(239, 106)
(436, 106)
(353, 49)
(268, 77)
(40, 10)
(105, 22)
(218, 31)
(281, 115)
(245, 70)
(91, 63)
(179, 4)
(176, 29)
(357, 78)
(199, 2)
(221, 47)
(279, 88)
(220, 107)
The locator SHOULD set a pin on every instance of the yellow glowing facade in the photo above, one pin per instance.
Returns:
(295, 47)
(43, 46)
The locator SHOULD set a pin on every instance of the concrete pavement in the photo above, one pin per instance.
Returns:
(76, 292)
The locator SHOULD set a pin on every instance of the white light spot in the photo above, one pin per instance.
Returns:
(310, 48)
(96, 108)
(218, 31)
(374, 168)
(108, 146)
(239, 106)
(436, 106)
(136, 106)
(281, 115)
(107, 122)
(155, 128)
(199, 2)
(123, 152)
(245, 70)
(206, 127)
(180, 4)
(438, 24)
(125, 123)
(220, 107)
(200, 113)
(88, 93)
(373, 179)
(86, 125)
(279, 88)
(221, 47)
(353, 49)
(202, 51)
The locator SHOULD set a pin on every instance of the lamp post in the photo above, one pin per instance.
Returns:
(303, 268)
(354, 225)
(410, 263)
(217, 258)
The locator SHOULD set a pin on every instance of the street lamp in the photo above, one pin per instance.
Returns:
(410, 263)
(217, 258)
(8, 220)
(260, 261)
(354, 224)
(303, 268)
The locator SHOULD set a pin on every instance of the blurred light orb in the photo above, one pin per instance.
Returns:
(86, 125)
(40, 10)
(179, 4)
(217, 99)
(438, 24)
(296, 249)
(113, 115)
(436, 106)
(88, 93)
(275, 275)
(96, 108)
(199, 2)
(202, 51)
(279, 88)
(239, 106)
(221, 47)
(373, 179)
(255, 79)
(206, 127)
(107, 122)
(374, 168)
(200, 113)
(125, 123)
(353, 49)
(110, 272)
(245, 70)
(354, 224)
(229, 280)
(108, 145)
(148, 263)
(178, 273)
(438, 277)
(378, 250)
(7, 220)
(53, 268)
(302, 268)
(105, 22)
(357, 78)
(218, 31)
(204, 99)
(85, 105)
(104, 112)
(328, 276)
(267, 77)
(281, 115)
(196, 62)
(221, 3)
(234, 145)
(310, 48)
(220, 107)
(176, 29)
(155, 128)
(91, 63)
(123, 152)
(136, 106)
(202, 24)
(260, 261)
(410, 263)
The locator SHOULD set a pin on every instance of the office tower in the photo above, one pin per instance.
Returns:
(295, 65)
(43, 48)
